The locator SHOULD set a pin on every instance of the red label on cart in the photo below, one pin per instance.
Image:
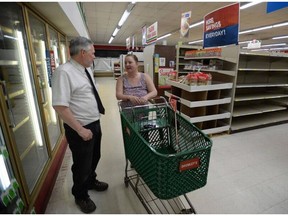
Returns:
(189, 164)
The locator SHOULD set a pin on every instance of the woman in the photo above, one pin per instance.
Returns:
(134, 88)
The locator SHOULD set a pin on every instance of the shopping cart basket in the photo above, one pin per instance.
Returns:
(171, 156)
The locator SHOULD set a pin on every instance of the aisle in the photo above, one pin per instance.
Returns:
(248, 171)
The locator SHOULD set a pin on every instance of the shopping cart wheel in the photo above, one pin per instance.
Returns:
(126, 180)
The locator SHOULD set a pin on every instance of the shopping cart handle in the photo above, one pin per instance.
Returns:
(149, 126)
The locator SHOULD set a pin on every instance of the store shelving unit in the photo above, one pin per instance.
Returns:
(208, 106)
(261, 94)
(181, 61)
(117, 70)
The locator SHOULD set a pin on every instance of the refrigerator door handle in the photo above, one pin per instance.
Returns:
(6, 94)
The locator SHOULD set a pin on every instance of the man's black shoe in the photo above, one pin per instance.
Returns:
(86, 205)
(98, 186)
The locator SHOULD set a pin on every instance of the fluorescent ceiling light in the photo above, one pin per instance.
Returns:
(164, 36)
(242, 42)
(115, 32)
(264, 27)
(271, 49)
(250, 4)
(193, 42)
(270, 45)
(280, 37)
(196, 24)
(123, 18)
(111, 39)
(280, 24)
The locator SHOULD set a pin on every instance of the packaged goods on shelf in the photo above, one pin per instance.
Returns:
(198, 78)
(173, 75)
(203, 53)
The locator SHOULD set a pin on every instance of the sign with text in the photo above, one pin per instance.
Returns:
(189, 164)
(254, 44)
(163, 75)
(152, 33)
(221, 27)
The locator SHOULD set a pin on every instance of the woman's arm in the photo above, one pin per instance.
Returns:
(119, 90)
(152, 91)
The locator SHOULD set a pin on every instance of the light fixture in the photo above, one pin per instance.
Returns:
(197, 41)
(243, 42)
(280, 24)
(271, 49)
(280, 37)
(124, 17)
(250, 4)
(264, 27)
(115, 31)
(164, 36)
(269, 45)
(111, 39)
(196, 24)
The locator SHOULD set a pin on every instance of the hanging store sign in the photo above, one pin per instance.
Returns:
(185, 23)
(152, 33)
(254, 44)
(221, 27)
(274, 6)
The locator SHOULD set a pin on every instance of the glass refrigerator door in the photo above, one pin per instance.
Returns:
(18, 89)
(46, 61)
(10, 201)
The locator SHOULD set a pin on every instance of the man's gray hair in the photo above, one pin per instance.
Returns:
(79, 43)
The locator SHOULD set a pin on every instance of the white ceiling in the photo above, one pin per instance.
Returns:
(102, 19)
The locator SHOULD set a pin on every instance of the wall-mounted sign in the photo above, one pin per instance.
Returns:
(221, 27)
(152, 33)
(185, 23)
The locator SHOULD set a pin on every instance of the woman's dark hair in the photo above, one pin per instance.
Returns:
(133, 56)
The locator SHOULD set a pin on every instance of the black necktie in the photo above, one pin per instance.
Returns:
(98, 100)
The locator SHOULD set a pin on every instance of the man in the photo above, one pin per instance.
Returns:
(76, 100)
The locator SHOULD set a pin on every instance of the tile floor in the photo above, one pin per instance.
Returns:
(248, 171)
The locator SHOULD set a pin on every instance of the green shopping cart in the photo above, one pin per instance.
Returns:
(168, 153)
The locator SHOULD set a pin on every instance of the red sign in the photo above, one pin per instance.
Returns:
(221, 26)
(189, 164)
